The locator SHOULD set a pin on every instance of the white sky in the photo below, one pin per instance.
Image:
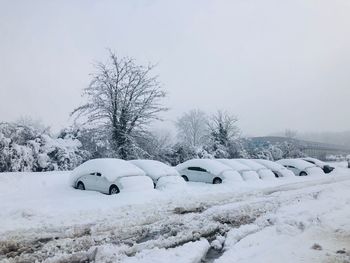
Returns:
(275, 64)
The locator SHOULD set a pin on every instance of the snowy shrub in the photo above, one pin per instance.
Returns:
(24, 148)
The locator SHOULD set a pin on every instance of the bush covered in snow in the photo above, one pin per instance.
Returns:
(25, 148)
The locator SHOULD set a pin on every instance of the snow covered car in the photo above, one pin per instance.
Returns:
(324, 166)
(109, 176)
(160, 173)
(246, 172)
(300, 167)
(207, 171)
(262, 171)
(278, 169)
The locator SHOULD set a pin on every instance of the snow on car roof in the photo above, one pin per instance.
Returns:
(109, 168)
(270, 164)
(235, 165)
(211, 165)
(253, 165)
(298, 163)
(155, 169)
(316, 161)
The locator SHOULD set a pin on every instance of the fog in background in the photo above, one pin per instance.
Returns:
(274, 64)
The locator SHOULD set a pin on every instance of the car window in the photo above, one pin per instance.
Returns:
(292, 167)
(96, 174)
(310, 161)
(198, 169)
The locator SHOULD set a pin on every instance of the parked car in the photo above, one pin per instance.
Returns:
(300, 167)
(207, 171)
(246, 172)
(160, 173)
(278, 169)
(324, 166)
(262, 171)
(110, 176)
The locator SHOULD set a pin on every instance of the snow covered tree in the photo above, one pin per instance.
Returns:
(290, 150)
(123, 98)
(24, 148)
(224, 135)
(192, 128)
(180, 153)
(93, 142)
(156, 145)
(223, 127)
(276, 152)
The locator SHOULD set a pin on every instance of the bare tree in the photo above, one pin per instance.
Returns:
(192, 128)
(123, 98)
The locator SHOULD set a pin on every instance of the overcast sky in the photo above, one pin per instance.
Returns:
(275, 64)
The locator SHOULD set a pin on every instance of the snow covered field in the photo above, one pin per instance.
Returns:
(291, 219)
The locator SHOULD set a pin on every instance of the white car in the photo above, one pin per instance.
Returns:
(324, 166)
(160, 173)
(207, 171)
(246, 172)
(278, 169)
(109, 176)
(262, 171)
(300, 167)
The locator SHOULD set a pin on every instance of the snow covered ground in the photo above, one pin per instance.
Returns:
(296, 219)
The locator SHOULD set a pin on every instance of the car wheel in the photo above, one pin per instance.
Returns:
(217, 180)
(80, 186)
(185, 178)
(303, 174)
(113, 190)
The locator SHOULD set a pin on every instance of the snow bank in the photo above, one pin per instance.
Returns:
(311, 228)
(212, 166)
(155, 169)
(110, 168)
(187, 253)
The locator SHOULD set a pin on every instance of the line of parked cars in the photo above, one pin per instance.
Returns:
(110, 176)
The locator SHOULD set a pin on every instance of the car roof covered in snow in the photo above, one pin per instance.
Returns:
(212, 166)
(270, 164)
(253, 165)
(316, 161)
(155, 169)
(109, 168)
(235, 165)
(298, 163)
